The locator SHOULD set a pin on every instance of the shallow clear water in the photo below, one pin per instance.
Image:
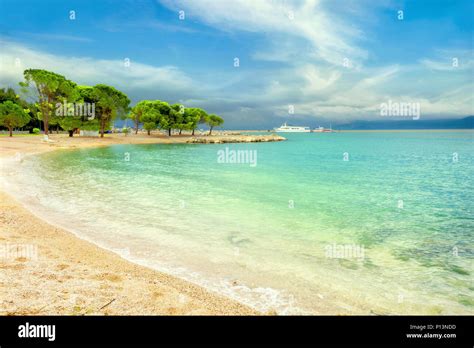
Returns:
(400, 204)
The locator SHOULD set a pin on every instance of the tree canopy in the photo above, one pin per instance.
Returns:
(110, 103)
(159, 114)
(71, 121)
(13, 115)
(194, 116)
(214, 121)
(50, 88)
(8, 94)
(148, 113)
(57, 100)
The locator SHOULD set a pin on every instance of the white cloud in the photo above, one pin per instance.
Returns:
(317, 80)
(59, 37)
(450, 60)
(155, 81)
(341, 95)
(262, 96)
(330, 38)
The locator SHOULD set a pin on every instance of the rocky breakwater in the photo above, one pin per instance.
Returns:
(222, 139)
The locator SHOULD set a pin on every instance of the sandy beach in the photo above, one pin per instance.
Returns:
(70, 276)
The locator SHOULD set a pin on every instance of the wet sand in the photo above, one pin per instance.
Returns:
(46, 270)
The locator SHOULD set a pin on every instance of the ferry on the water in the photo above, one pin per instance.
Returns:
(285, 128)
(322, 130)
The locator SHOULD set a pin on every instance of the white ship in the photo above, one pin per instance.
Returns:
(284, 128)
(322, 130)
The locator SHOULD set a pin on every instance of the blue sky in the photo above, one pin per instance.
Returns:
(329, 61)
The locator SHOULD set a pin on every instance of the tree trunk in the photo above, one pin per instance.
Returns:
(210, 131)
(46, 126)
(102, 126)
(169, 131)
(148, 132)
(180, 131)
(11, 131)
(136, 131)
(71, 132)
(193, 131)
(45, 111)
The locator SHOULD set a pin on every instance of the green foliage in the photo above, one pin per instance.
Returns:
(70, 123)
(193, 117)
(136, 115)
(36, 131)
(214, 121)
(91, 125)
(148, 113)
(13, 115)
(164, 110)
(87, 95)
(159, 114)
(8, 94)
(154, 114)
(51, 88)
(176, 117)
(110, 103)
(149, 126)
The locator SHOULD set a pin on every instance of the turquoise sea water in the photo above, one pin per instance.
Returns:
(398, 204)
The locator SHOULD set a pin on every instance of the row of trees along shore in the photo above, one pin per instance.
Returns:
(49, 91)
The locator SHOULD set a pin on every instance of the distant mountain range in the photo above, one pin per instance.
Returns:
(461, 123)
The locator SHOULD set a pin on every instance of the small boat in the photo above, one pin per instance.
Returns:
(285, 128)
(322, 130)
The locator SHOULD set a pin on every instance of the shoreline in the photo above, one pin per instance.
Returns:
(34, 144)
(72, 276)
